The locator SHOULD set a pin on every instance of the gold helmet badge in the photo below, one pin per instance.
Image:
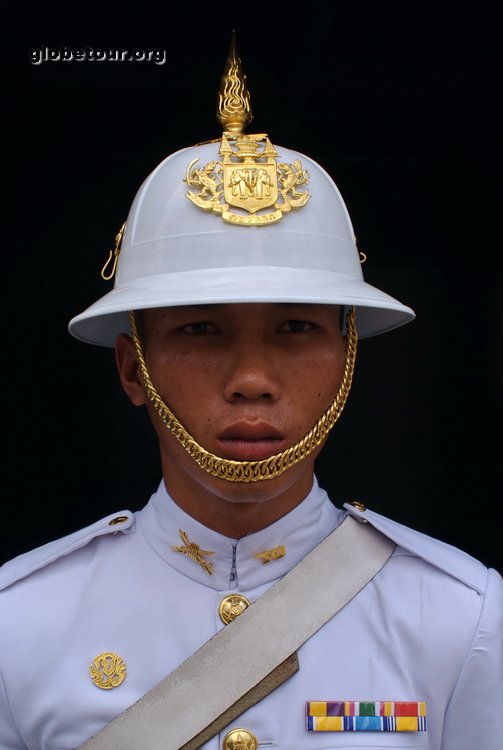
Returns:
(248, 176)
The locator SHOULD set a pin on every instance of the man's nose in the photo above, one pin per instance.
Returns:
(252, 374)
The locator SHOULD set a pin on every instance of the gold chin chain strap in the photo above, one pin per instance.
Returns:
(268, 468)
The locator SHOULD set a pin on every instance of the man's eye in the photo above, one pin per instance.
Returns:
(199, 328)
(296, 326)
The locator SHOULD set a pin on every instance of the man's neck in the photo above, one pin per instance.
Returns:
(238, 510)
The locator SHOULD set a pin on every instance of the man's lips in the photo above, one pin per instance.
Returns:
(246, 441)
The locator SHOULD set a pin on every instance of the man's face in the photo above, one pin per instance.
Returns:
(246, 380)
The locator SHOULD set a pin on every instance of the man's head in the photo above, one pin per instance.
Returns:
(247, 381)
(238, 222)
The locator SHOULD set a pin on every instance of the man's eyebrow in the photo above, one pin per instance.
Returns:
(217, 305)
(306, 306)
(195, 308)
(296, 304)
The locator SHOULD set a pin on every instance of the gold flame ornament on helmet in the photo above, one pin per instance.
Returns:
(249, 175)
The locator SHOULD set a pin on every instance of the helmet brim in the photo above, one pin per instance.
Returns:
(103, 321)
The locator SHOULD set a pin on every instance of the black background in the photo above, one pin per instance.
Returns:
(399, 102)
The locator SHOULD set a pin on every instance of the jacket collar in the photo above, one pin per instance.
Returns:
(234, 562)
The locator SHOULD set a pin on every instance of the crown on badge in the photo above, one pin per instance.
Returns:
(248, 176)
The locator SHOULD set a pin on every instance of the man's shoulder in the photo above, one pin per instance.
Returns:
(24, 565)
(443, 556)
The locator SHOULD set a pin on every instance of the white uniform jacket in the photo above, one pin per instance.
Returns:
(428, 628)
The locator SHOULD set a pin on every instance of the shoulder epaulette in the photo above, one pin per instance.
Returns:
(29, 562)
(444, 556)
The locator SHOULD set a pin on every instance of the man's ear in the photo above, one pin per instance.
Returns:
(127, 365)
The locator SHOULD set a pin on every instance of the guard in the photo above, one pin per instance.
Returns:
(240, 609)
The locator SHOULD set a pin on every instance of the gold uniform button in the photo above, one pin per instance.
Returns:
(116, 521)
(359, 506)
(232, 606)
(240, 739)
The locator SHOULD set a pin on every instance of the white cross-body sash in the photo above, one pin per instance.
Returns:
(252, 655)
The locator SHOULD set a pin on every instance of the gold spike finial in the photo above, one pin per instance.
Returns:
(234, 110)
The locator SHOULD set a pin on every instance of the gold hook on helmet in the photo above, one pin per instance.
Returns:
(114, 255)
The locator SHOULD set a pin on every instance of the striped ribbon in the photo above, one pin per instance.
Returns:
(366, 716)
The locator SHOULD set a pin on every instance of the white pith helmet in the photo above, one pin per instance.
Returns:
(288, 239)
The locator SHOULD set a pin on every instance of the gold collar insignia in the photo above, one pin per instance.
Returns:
(194, 552)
